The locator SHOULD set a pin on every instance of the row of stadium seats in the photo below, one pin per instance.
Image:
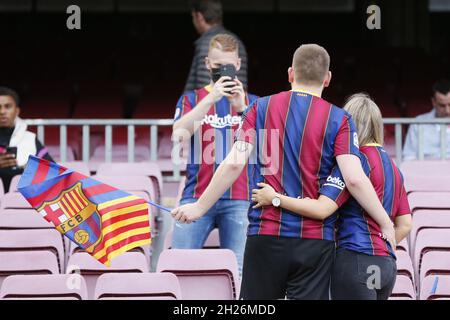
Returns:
(420, 176)
(422, 258)
(97, 142)
(110, 286)
(434, 268)
(194, 274)
(79, 81)
(142, 176)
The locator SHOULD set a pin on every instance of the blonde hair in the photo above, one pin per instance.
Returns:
(311, 64)
(367, 118)
(224, 42)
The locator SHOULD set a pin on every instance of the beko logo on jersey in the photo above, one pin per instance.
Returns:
(221, 122)
(335, 182)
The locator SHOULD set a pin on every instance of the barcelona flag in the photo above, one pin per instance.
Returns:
(102, 220)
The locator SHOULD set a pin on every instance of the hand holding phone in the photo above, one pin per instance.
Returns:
(228, 70)
(12, 150)
(8, 158)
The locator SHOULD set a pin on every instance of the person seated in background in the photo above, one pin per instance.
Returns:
(16, 143)
(431, 132)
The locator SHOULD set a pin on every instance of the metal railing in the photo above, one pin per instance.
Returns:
(154, 124)
(86, 125)
(399, 122)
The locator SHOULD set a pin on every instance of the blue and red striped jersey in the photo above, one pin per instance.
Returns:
(356, 230)
(297, 137)
(211, 143)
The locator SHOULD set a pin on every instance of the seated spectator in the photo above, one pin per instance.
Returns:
(431, 132)
(16, 143)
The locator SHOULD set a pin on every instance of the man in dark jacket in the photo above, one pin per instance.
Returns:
(207, 20)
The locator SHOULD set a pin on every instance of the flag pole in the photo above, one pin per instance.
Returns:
(159, 206)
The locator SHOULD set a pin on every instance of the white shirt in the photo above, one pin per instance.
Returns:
(431, 140)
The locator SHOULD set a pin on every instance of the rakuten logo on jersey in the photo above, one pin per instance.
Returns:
(335, 182)
(221, 122)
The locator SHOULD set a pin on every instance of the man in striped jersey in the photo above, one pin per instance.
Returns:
(299, 138)
(209, 117)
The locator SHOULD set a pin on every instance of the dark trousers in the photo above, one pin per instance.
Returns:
(280, 267)
(358, 276)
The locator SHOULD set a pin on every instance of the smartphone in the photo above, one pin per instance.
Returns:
(12, 150)
(228, 70)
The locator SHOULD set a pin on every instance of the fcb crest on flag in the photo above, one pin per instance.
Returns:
(72, 212)
(99, 218)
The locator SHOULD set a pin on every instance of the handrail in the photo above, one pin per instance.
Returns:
(155, 123)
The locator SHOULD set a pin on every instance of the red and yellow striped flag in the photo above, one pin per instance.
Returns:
(101, 219)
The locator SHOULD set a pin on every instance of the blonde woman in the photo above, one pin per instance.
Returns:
(362, 250)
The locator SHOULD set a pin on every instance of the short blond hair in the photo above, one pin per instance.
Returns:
(367, 118)
(224, 42)
(311, 64)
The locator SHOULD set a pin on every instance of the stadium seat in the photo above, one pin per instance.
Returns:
(167, 165)
(120, 153)
(212, 242)
(2, 189)
(78, 166)
(73, 248)
(404, 264)
(165, 146)
(403, 289)
(14, 183)
(434, 262)
(55, 153)
(99, 100)
(39, 102)
(27, 262)
(33, 240)
(22, 219)
(426, 168)
(14, 200)
(141, 194)
(433, 219)
(49, 287)
(426, 183)
(203, 274)
(429, 200)
(435, 287)
(429, 240)
(86, 265)
(130, 184)
(134, 169)
(138, 286)
(403, 246)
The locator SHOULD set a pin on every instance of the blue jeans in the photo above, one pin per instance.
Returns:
(230, 216)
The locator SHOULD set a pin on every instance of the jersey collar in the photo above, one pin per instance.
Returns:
(304, 91)
(372, 145)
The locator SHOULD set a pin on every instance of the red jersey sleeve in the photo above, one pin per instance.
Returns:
(347, 138)
(247, 131)
(182, 108)
(403, 207)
